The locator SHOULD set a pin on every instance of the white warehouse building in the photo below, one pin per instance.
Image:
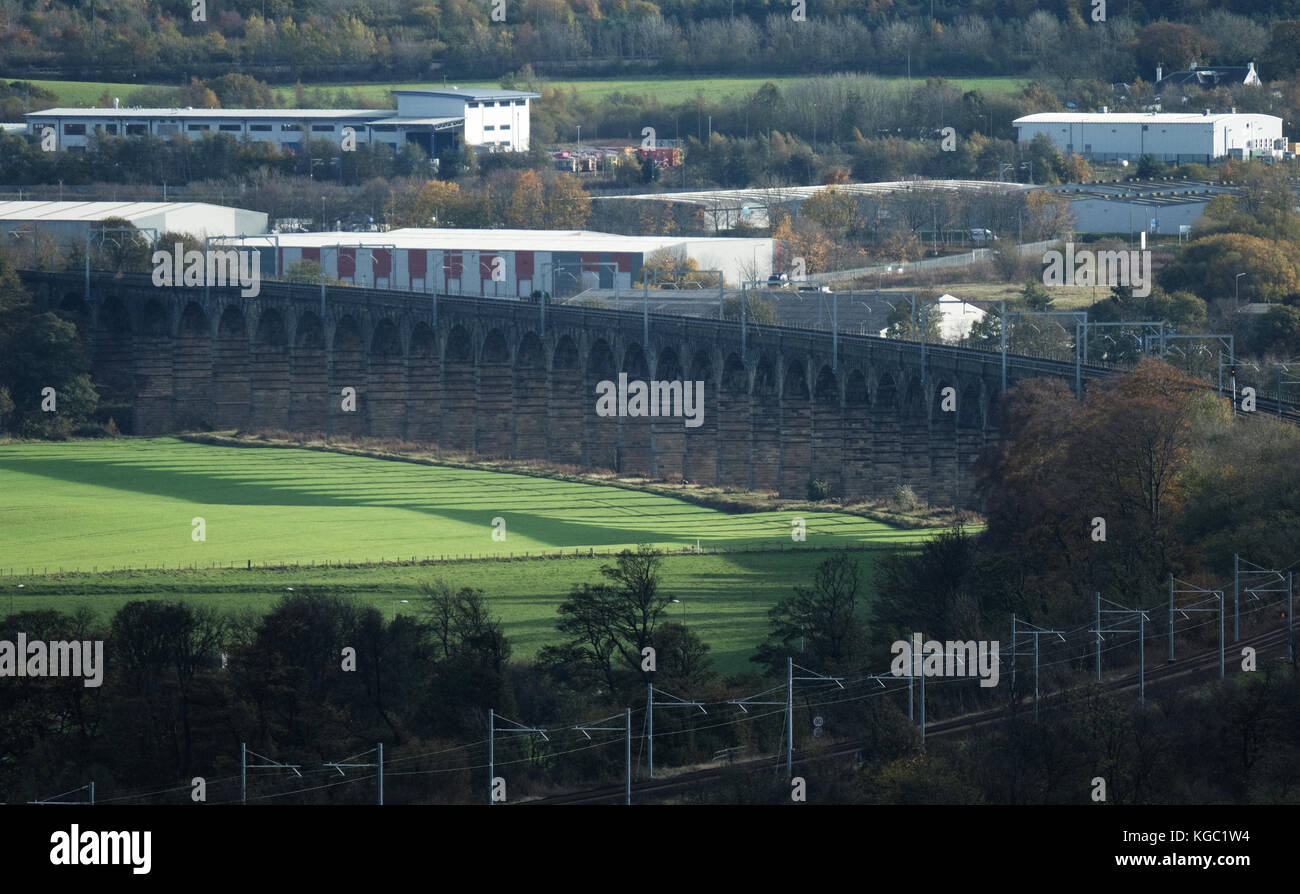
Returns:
(501, 263)
(433, 118)
(1169, 136)
(70, 222)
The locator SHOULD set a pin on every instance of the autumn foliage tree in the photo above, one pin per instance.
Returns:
(1119, 456)
(1208, 267)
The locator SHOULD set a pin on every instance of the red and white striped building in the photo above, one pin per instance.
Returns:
(502, 263)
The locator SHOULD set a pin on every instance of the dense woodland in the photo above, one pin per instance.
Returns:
(419, 39)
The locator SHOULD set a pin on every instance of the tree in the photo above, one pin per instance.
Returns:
(1046, 216)
(567, 204)
(1077, 169)
(1282, 56)
(758, 311)
(609, 624)
(683, 663)
(438, 203)
(470, 653)
(117, 245)
(1036, 296)
(39, 351)
(946, 587)
(1172, 44)
(1209, 266)
(835, 211)
(1149, 166)
(819, 622)
(303, 271)
(1278, 331)
(1126, 449)
(527, 206)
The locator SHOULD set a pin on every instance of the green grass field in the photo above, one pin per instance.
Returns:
(668, 90)
(91, 505)
(725, 598)
(94, 505)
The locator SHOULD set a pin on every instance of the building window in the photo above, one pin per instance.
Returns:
(520, 102)
(260, 128)
(489, 105)
(107, 128)
(230, 127)
(198, 127)
(74, 130)
(471, 105)
(137, 130)
(291, 128)
(322, 128)
(385, 128)
(489, 127)
(505, 127)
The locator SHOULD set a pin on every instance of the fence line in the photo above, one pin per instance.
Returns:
(455, 558)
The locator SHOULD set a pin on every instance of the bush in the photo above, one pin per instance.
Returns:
(905, 498)
(819, 489)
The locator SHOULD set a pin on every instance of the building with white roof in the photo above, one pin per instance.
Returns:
(433, 118)
(503, 263)
(1169, 136)
(66, 222)
(956, 317)
(726, 208)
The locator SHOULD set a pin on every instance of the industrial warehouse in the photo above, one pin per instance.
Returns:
(432, 118)
(504, 263)
(1176, 137)
(71, 221)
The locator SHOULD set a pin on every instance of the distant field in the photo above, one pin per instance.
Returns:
(1063, 297)
(83, 506)
(89, 506)
(87, 93)
(725, 597)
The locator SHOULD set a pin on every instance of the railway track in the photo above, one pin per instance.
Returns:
(1198, 668)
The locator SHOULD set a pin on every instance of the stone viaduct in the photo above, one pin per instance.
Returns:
(483, 376)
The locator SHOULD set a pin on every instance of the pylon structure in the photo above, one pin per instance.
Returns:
(1021, 628)
(1140, 630)
(650, 705)
(626, 728)
(1256, 581)
(790, 680)
(1203, 601)
(351, 762)
(245, 766)
(514, 727)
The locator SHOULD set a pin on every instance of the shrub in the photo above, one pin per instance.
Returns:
(906, 498)
(819, 489)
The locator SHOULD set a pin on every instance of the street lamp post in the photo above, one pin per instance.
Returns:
(1237, 287)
